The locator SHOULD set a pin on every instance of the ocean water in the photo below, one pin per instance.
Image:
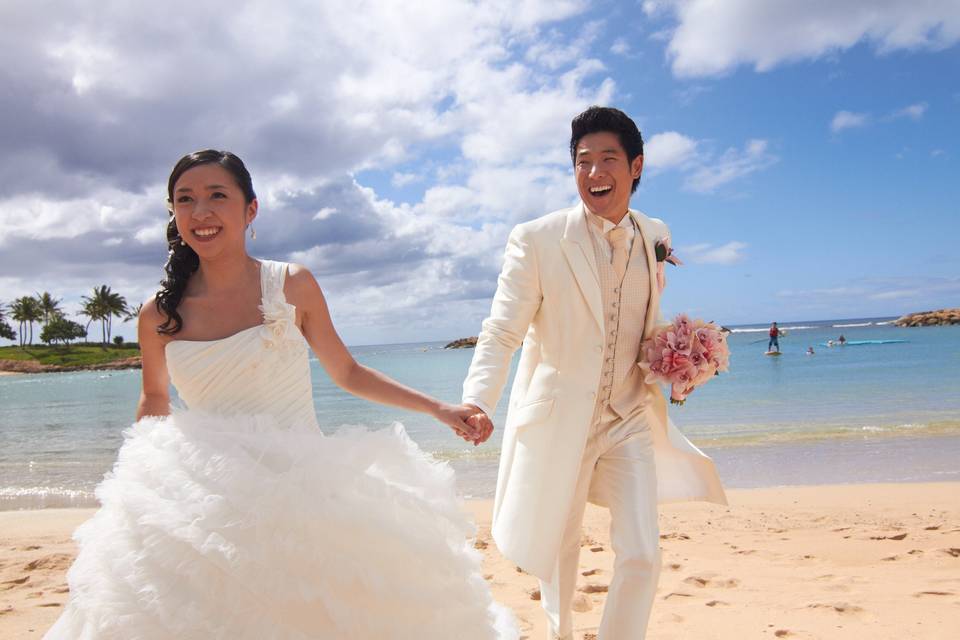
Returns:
(868, 413)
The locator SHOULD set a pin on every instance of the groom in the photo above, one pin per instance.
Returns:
(580, 289)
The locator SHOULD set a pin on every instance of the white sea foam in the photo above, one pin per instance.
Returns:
(853, 324)
(765, 329)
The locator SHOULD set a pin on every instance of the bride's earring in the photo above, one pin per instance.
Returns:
(253, 233)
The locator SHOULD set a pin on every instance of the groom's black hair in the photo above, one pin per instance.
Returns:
(596, 119)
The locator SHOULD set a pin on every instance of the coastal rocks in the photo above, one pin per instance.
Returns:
(930, 318)
(32, 366)
(463, 343)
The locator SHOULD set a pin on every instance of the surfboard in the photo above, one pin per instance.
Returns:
(771, 353)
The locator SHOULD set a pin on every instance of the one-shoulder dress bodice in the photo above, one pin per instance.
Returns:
(260, 370)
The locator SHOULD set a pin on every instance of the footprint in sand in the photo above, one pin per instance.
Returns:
(7, 609)
(589, 572)
(952, 552)
(677, 594)
(839, 607)
(899, 536)
(594, 588)
(714, 603)
(782, 633)
(674, 536)
(710, 580)
(50, 604)
(581, 603)
(13, 584)
(54, 562)
(920, 594)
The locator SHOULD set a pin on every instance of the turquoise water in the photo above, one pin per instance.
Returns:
(846, 414)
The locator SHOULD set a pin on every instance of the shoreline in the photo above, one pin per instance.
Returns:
(863, 560)
(32, 366)
(903, 458)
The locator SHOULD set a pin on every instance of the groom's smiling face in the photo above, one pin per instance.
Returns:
(604, 174)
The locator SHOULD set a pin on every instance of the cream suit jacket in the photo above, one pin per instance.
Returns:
(548, 299)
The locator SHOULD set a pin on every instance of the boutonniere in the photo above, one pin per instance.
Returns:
(665, 252)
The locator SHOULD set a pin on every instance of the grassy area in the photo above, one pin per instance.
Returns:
(78, 354)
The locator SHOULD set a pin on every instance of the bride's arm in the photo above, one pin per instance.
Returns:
(155, 389)
(302, 290)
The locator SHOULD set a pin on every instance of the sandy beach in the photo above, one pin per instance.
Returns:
(844, 561)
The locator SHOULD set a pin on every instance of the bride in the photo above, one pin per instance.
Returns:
(236, 517)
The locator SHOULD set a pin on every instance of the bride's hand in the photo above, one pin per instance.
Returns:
(456, 417)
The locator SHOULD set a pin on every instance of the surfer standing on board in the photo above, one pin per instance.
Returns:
(774, 338)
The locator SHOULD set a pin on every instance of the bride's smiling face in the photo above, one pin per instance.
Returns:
(211, 211)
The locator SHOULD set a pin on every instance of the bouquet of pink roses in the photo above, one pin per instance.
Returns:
(684, 354)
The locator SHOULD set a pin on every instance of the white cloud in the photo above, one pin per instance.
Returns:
(726, 254)
(668, 150)
(403, 179)
(918, 290)
(731, 165)
(108, 99)
(715, 37)
(914, 111)
(324, 213)
(848, 120)
(621, 47)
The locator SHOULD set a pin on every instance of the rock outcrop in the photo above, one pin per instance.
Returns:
(463, 343)
(32, 366)
(930, 318)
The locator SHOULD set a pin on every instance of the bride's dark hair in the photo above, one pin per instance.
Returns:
(182, 261)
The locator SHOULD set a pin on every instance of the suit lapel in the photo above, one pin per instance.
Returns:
(647, 232)
(578, 250)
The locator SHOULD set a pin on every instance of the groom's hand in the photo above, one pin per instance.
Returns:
(481, 423)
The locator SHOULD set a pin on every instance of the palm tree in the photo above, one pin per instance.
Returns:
(26, 311)
(6, 331)
(49, 306)
(103, 305)
(133, 313)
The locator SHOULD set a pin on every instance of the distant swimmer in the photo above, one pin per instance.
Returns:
(841, 340)
(829, 343)
(810, 351)
(774, 338)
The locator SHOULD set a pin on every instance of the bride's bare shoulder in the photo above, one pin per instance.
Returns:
(150, 313)
(149, 319)
(300, 285)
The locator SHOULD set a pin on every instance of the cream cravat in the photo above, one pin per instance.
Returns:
(618, 245)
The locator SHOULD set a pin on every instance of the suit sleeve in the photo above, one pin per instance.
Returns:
(515, 304)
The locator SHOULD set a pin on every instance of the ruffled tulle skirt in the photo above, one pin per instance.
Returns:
(214, 527)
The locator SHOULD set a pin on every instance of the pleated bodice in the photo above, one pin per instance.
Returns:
(262, 370)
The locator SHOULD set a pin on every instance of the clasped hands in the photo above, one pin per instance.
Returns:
(467, 421)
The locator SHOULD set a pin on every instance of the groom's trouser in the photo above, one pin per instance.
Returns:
(617, 471)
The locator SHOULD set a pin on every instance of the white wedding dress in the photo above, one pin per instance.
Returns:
(236, 518)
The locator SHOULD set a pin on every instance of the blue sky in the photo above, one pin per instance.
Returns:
(805, 157)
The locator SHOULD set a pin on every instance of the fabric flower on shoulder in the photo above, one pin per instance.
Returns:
(279, 323)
